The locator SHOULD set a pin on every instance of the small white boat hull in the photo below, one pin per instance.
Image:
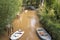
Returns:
(16, 35)
(45, 36)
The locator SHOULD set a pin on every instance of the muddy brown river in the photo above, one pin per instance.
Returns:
(28, 22)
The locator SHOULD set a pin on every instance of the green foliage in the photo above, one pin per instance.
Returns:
(8, 10)
(49, 3)
(50, 18)
(34, 3)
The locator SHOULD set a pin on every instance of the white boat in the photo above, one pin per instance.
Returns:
(43, 34)
(16, 35)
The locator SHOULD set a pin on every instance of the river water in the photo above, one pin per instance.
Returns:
(28, 22)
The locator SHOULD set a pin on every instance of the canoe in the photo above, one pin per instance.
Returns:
(16, 35)
(43, 34)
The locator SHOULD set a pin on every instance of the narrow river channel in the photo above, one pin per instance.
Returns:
(28, 22)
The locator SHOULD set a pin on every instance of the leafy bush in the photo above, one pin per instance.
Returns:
(34, 3)
(49, 17)
(51, 26)
(8, 10)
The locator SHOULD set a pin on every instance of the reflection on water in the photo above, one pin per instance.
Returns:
(28, 23)
(33, 22)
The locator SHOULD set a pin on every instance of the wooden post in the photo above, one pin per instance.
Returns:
(9, 29)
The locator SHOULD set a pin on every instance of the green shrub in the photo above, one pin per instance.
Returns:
(52, 27)
(34, 3)
(50, 18)
(8, 10)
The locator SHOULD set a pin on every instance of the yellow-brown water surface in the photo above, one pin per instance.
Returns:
(28, 22)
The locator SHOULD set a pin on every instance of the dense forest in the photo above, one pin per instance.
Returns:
(49, 14)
